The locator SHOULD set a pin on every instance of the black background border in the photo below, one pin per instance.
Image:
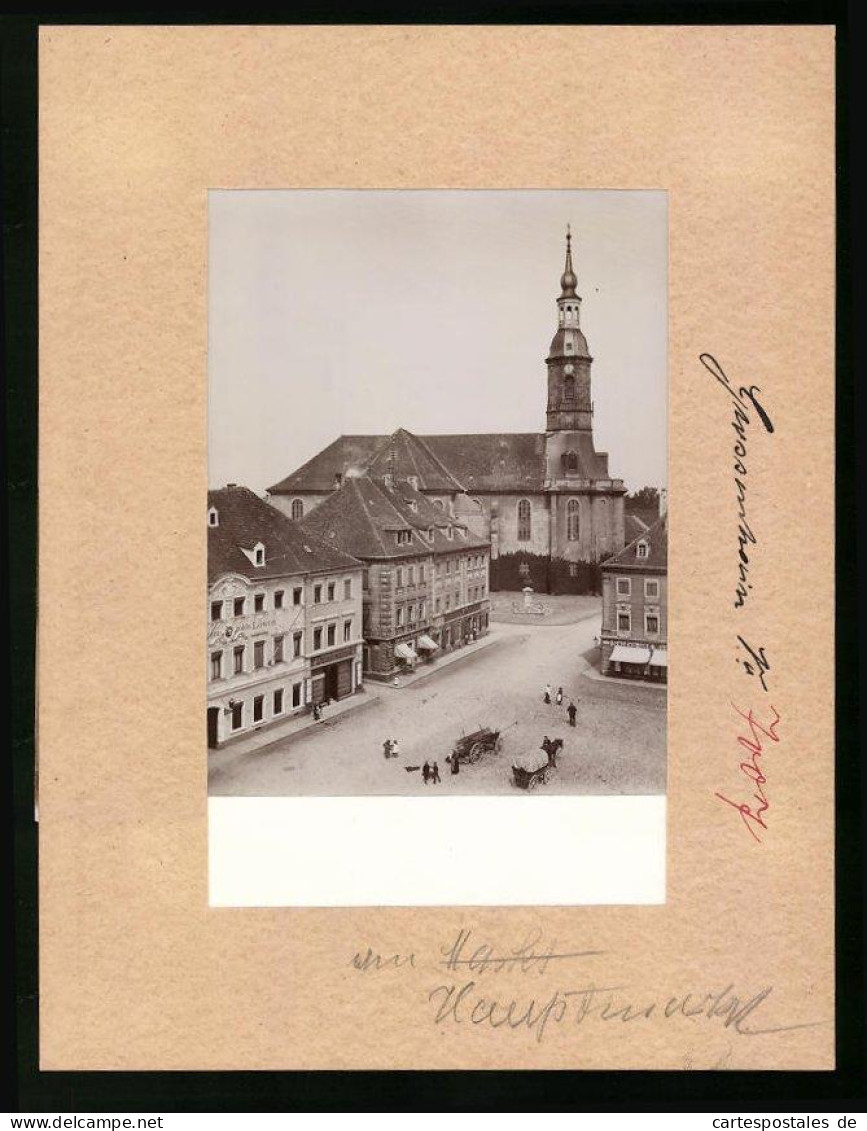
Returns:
(730, 1092)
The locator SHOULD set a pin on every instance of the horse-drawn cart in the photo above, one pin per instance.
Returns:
(472, 746)
(529, 779)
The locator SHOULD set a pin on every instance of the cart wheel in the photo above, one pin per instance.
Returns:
(531, 784)
(476, 751)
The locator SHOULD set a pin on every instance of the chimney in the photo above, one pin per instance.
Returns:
(663, 501)
(338, 479)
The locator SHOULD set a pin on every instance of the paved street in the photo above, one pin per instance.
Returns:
(618, 745)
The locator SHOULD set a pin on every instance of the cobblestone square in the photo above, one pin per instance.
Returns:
(617, 747)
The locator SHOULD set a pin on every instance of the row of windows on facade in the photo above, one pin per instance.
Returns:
(328, 633)
(651, 621)
(239, 604)
(406, 614)
(651, 587)
(573, 517)
(278, 700)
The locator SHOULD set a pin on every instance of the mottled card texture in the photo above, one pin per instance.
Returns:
(736, 968)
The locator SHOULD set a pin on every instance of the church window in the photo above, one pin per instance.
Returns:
(573, 521)
(570, 462)
(569, 388)
(213, 517)
(297, 508)
(524, 524)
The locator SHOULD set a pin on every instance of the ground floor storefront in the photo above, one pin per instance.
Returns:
(628, 659)
(385, 659)
(234, 712)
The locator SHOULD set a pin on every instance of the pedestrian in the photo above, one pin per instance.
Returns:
(547, 696)
(571, 711)
(455, 763)
(559, 696)
(395, 748)
(386, 748)
(316, 712)
(425, 772)
(436, 774)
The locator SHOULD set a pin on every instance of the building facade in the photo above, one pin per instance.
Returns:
(284, 618)
(425, 581)
(634, 637)
(548, 494)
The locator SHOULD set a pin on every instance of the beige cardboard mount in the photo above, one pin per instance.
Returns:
(136, 124)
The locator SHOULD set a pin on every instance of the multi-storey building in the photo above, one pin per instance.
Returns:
(545, 495)
(425, 581)
(284, 617)
(635, 607)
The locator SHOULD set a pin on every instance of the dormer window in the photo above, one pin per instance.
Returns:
(259, 554)
(404, 537)
(413, 506)
(430, 534)
(642, 550)
(213, 517)
(413, 482)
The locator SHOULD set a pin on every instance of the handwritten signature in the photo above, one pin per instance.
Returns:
(754, 819)
(745, 402)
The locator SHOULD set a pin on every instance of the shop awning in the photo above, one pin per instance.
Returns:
(620, 654)
(426, 644)
(405, 652)
(659, 659)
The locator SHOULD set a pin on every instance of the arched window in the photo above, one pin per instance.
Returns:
(570, 463)
(573, 521)
(297, 508)
(524, 525)
(569, 388)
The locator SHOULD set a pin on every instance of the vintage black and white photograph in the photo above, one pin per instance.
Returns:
(437, 515)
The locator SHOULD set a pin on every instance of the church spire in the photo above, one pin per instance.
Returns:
(568, 280)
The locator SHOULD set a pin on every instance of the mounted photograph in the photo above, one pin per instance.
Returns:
(437, 518)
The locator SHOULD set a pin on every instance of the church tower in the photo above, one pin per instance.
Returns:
(568, 361)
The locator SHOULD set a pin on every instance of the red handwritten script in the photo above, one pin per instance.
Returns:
(759, 736)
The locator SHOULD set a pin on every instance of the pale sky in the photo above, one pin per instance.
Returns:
(340, 311)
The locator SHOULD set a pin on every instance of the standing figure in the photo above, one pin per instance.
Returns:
(455, 764)
(436, 774)
(386, 748)
(425, 772)
(559, 696)
(395, 749)
(547, 696)
(571, 711)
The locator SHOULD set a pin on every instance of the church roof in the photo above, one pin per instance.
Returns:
(489, 461)
(243, 520)
(363, 516)
(569, 335)
(657, 555)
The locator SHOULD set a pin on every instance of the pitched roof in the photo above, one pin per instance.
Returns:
(465, 462)
(634, 525)
(243, 520)
(363, 516)
(657, 556)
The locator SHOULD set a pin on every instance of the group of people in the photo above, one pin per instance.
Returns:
(318, 708)
(549, 697)
(391, 748)
(430, 773)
